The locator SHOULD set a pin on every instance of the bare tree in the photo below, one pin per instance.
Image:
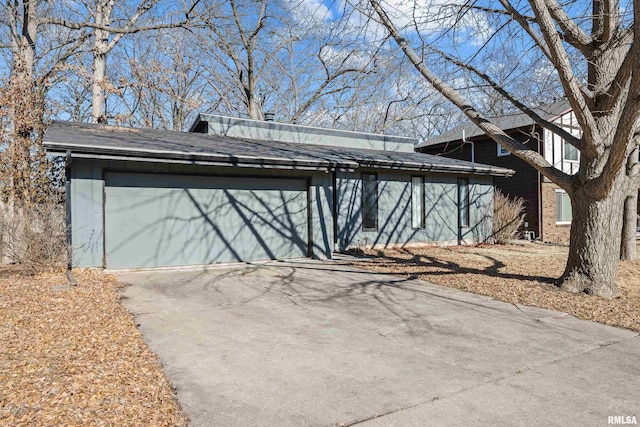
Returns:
(108, 21)
(31, 75)
(628, 247)
(237, 37)
(390, 100)
(161, 85)
(606, 103)
(280, 57)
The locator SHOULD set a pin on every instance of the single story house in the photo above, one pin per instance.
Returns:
(242, 190)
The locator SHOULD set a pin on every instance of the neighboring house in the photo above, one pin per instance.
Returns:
(547, 206)
(242, 190)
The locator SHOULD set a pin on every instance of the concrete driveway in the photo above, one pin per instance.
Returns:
(319, 343)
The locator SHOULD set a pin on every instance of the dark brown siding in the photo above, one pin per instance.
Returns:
(524, 183)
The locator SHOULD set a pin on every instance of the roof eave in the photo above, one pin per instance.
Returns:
(473, 138)
(439, 168)
(196, 122)
(132, 154)
(194, 158)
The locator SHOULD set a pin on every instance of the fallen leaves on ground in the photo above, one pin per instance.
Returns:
(73, 356)
(513, 273)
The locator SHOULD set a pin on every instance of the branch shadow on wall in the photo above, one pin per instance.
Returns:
(179, 225)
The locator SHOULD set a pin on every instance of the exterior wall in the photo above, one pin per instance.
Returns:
(87, 196)
(537, 191)
(321, 200)
(394, 210)
(87, 201)
(283, 132)
(524, 183)
(552, 232)
(554, 144)
(394, 206)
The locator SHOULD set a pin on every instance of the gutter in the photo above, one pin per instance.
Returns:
(121, 153)
(167, 156)
(437, 168)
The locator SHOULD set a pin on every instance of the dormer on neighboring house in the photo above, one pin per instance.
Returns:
(547, 206)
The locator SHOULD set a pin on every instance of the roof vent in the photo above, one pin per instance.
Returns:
(269, 117)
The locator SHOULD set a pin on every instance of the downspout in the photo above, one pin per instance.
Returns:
(334, 207)
(473, 146)
(67, 207)
(537, 136)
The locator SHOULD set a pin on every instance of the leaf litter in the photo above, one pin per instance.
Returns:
(74, 356)
(518, 274)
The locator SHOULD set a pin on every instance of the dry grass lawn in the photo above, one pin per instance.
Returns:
(515, 274)
(73, 356)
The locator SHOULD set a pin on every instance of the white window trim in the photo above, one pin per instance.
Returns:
(564, 159)
(467, 203)
(421, 207)
(502, 153)
(561, 222)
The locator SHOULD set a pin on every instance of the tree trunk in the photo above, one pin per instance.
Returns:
(628, 251)
(97, 84)
(24, 112)
(102, 16)
(254, 107)
(594, 248)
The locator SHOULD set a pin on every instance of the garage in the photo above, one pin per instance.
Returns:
(157, 220)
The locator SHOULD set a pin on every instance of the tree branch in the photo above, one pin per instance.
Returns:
(561, 132)
(524, 23)
(626, 132)
(108, 28)
(532, 157)
(319, 92)
(605, 19)
(572, 86)
(508, 13)
(60, 61)
(573, 34)
(610, 96)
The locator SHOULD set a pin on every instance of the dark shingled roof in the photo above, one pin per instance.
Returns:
(507, 122)
(101, 141)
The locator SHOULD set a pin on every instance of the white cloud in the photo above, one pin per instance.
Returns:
(312, 12)
(426, 17)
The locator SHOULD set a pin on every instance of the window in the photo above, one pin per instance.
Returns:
(563, 207)
(502, 151)
(417, 202)
(370, 201)
(463, 202)
(569, 152)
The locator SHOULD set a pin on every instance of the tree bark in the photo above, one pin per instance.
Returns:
(24, 114)
(594, 243)
(606, 111)
(254, 107)
(628, 250)
(102, 16)
(97, 84)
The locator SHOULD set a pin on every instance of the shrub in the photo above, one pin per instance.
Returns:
(508, 216)
(33, 235)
